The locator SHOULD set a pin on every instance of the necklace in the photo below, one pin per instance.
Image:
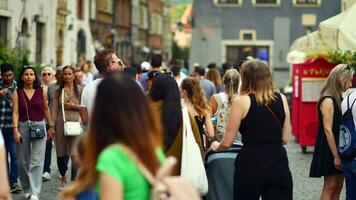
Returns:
(68, 94)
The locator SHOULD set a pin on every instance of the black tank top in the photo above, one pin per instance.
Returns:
(259, 126)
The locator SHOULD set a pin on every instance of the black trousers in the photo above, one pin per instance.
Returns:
(270, 181)
(62, 163)
(48, 157)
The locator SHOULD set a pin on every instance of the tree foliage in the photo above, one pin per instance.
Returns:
(17, 57)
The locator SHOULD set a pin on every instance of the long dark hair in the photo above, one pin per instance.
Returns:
(75, 85)
(165, 88)
(20, 82)
(117, 118)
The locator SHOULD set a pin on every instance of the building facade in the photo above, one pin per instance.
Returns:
(28, 25)
(65, 32)
(73, 37)
(230, 30)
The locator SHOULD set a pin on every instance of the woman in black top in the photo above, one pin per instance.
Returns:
(262, 117)
(326, 160)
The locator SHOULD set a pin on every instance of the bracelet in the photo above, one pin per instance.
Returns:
(51, 126)
(14, 127)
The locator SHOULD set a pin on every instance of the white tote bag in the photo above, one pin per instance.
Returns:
(192, 163)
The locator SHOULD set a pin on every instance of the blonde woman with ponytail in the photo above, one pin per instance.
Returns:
(220, 103)
(262, 117)
(326, 159)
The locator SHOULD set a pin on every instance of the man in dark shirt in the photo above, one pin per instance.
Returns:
(7, 87)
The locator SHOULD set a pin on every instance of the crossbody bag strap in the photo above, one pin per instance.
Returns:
(62, 101)
(274, 116)
(145, 172)
(23, 96)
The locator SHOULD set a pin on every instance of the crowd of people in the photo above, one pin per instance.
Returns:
(140, 109)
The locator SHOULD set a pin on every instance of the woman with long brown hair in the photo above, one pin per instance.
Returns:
(262, 116)
(193, 95)
(117, 119)
(214, 76)
(64, 145)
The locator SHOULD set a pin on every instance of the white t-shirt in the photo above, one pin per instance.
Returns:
(351, 99)
(88, 95)
(1, 140)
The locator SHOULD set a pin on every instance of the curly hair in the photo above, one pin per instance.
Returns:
(195, 94)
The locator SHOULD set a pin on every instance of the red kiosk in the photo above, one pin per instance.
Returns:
(308, 79)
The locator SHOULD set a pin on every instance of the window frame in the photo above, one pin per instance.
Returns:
(7, 29)
(238, 4)
(303, 5)
(248, 31)
(277, 4)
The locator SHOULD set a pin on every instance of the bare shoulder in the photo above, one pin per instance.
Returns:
(327, 104)
(241, 100)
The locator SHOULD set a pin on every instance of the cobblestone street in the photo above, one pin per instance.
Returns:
(305, 188)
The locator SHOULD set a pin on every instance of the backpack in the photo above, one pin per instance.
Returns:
(222, 116)
(347, 133)
(163, 185)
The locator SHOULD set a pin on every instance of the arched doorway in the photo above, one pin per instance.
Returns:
(81, 44)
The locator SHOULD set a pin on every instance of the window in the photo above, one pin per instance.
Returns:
(156, 24)
(143, 17)
(92, 9)
(228, 2)
(266, 2)
(39, 42)
(306, 2)
(247, 34)
(109, 6)
(3, 29)
(80, 11)
(235, 54)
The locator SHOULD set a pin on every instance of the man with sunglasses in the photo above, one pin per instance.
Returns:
(7, 87)
(105, 61)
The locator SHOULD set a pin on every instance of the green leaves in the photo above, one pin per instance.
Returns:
(19, 58)
(340, 56)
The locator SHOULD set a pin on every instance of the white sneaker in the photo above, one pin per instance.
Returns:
(46, 176)
(33, 197)
(27, 195)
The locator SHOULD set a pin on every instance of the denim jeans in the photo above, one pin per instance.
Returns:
(10, 145)
(349, 167)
